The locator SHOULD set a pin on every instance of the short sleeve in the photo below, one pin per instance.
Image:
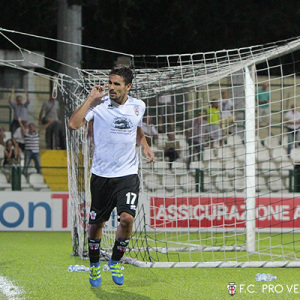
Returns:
(143, 109)
(89, 115)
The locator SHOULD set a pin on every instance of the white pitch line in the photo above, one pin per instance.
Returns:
(11, 291)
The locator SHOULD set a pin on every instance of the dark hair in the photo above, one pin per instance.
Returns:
(122, 71)
(7, 141)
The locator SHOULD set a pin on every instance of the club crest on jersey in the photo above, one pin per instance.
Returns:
(136, 109)
(93, 215)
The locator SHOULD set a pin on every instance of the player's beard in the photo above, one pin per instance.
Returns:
(117, 99)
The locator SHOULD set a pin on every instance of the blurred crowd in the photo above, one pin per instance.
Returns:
(21, 144)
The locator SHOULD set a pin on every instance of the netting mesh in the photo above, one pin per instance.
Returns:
(194, 206)
(79, 154)
(224, 187)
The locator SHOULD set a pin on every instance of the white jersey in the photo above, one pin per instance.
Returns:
(294, 117)
(115, 128)
(225, 106)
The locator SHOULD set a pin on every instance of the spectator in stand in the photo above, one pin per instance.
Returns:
(213, 118)
(19, 109)
(12, 155)
(2, 145)
(49, 115)
(2, 136)
(226, 116)
(292, 122)
(197, 134)
(19, 136)
(32, 147)
(150, 131)
(263, 99)
(165, 113)
(172, 149)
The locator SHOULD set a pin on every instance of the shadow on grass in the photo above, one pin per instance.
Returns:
(118, 294)
(112, 291)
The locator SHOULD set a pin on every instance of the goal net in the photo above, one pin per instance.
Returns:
(225, 184)
(223, 189)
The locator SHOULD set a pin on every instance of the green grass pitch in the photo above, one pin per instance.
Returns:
(37, 262)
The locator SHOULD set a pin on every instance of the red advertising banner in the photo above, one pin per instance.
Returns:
(223, 212)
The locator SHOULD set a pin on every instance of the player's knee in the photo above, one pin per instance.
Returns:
(96, 226)
(126, 220)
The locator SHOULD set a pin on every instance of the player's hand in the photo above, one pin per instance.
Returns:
(148, 154)
(98, 92)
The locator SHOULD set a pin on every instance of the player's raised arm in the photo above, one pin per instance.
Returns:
(77, 120)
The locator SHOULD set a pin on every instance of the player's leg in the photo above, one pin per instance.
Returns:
(101, 207)
(127, 200)
(123, 235)
(122, 239)
(94, 240)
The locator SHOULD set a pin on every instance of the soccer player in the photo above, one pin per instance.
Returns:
(114, 180)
